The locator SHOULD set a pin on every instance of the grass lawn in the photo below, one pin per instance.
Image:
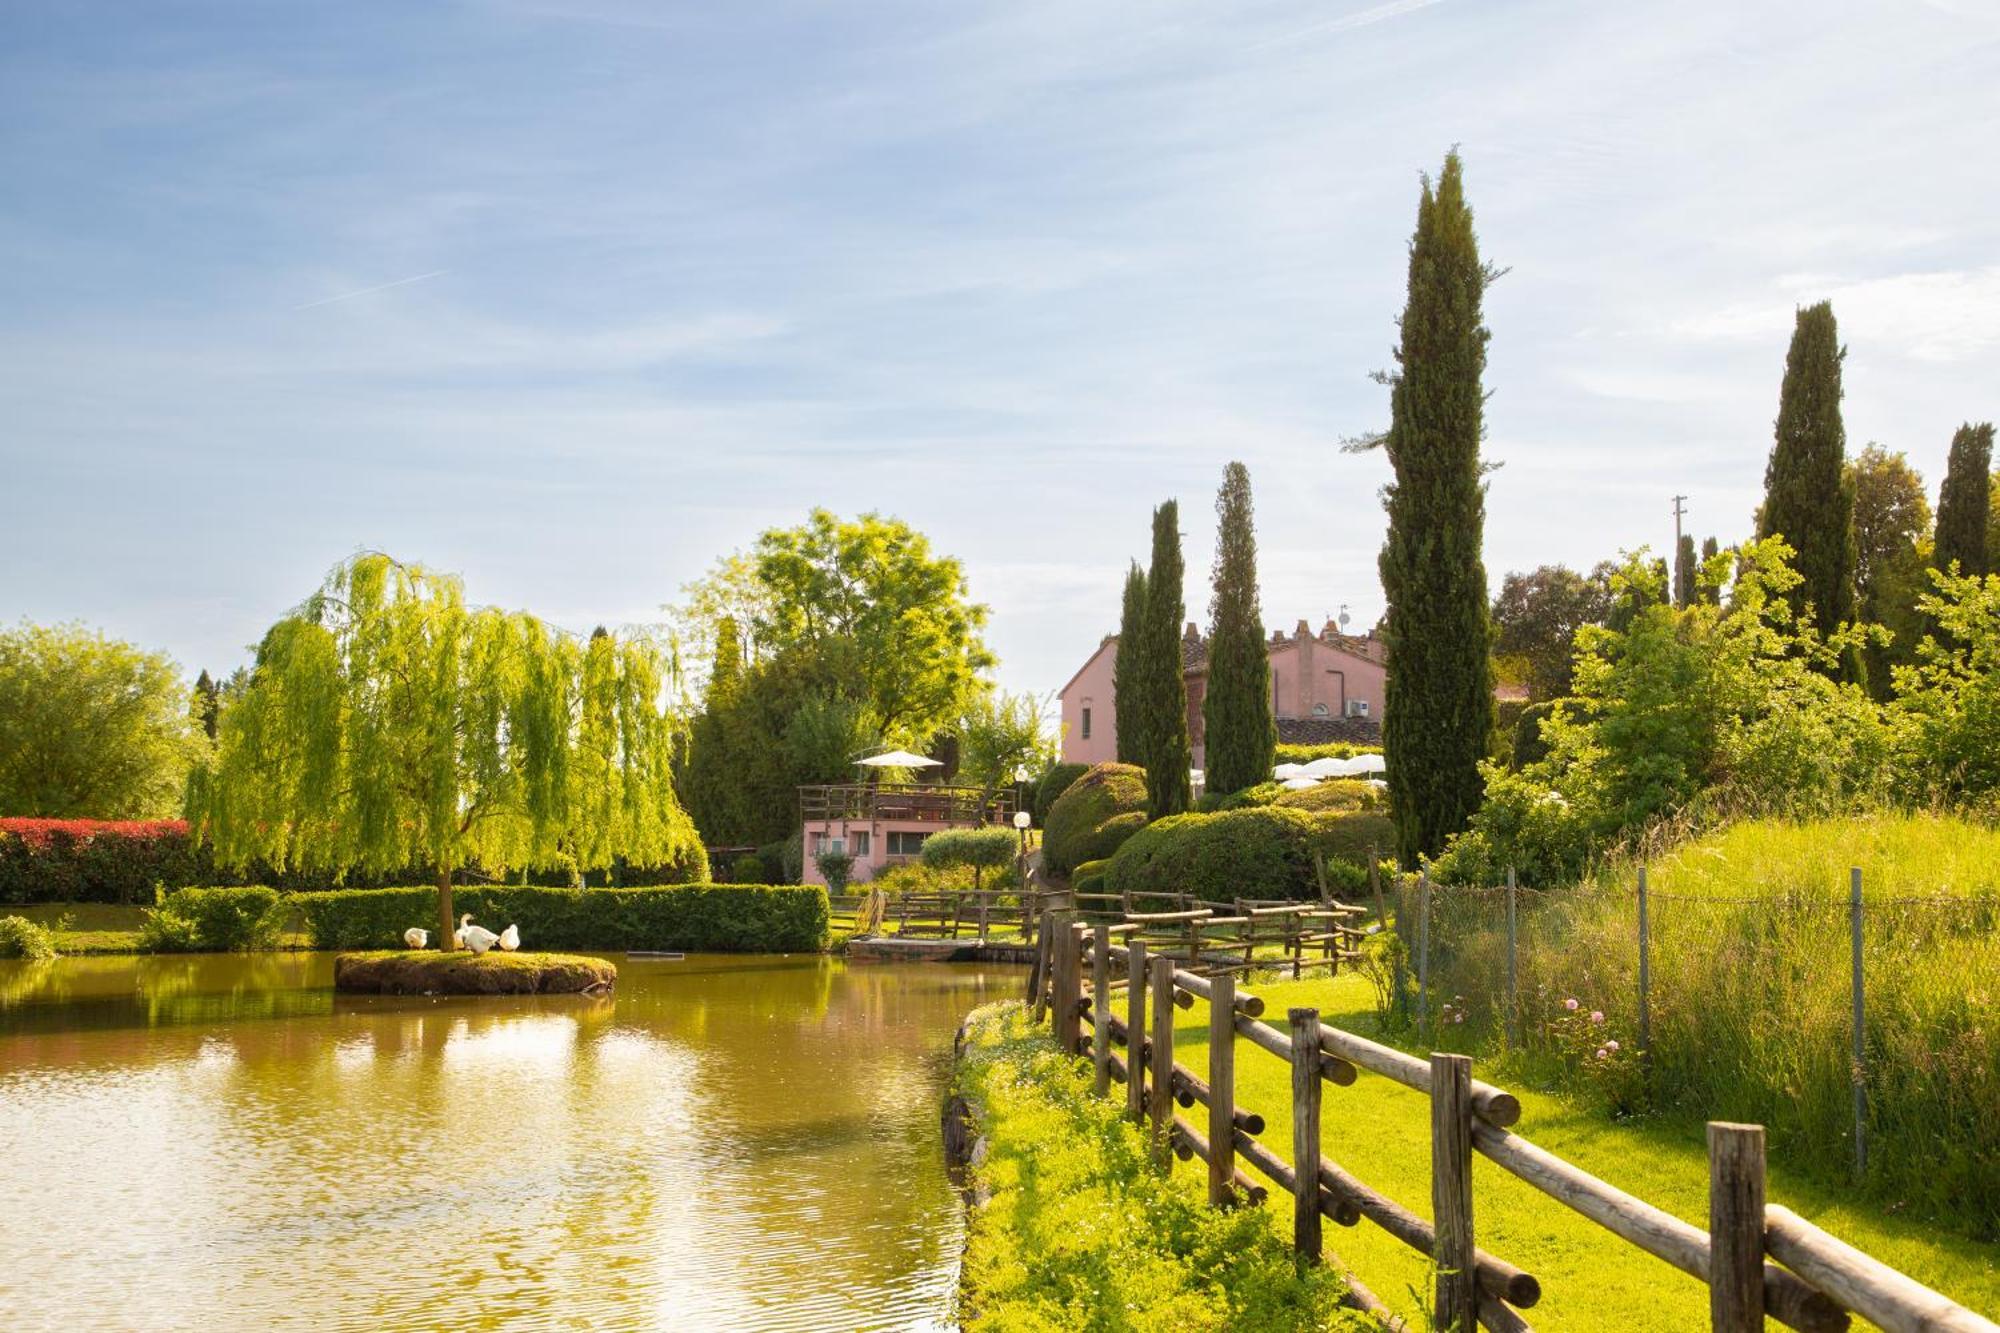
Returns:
(1380, 1131)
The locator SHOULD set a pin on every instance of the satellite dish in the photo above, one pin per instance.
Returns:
(1343, 617)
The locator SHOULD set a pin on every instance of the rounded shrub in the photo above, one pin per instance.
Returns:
(1089, 877)
(1053, 784)
(22, 938)
(212, 921)
(1341, 794)
(1253, 852)
(747, 869)
(1093, 816)
(981, 849)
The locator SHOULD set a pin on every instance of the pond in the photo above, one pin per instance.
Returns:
(744, 1142)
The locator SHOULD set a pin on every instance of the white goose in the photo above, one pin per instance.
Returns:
(476, 938)
(510, 938)
(416, 937)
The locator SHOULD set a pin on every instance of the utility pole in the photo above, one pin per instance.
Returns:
(1680, 509)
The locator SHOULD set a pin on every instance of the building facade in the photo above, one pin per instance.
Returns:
(882, 825)
(1324, 687)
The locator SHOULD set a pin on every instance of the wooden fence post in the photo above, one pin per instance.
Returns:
(1513, 971)
(1305, 1131)
(1160, 1103)
(1451, 1191)
(1069, 984)
(1222, 1088)
(1100, 1006)
(1135, 1032)
(1645, 975)
(1735, 1227)
(1424, 952)
(1860, 1071)
(1038, 966)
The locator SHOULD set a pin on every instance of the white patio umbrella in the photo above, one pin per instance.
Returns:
(1285, 771)
(899, 759)
(1328, 768)
(1300, 783)
(1368, 763)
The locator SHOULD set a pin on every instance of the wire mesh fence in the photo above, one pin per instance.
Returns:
(1863, 1031)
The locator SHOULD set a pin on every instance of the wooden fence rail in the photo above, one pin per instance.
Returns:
(1757, 1259)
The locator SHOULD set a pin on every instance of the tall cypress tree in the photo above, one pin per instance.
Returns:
(1163, 692)
(1964, 501)
(1684, 570)
(1242, 738)
(1437, 707)
(207, 703)
(1808, 496)
(1704, 589)
(1127, 680)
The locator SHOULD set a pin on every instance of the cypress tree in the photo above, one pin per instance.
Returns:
(1163, 691)
(1964, 501)
(1684, 572)
(1438, 702)
(1242, 738)
(207, 703)
(1127, 688)
(1704, 589)
(1808, 496)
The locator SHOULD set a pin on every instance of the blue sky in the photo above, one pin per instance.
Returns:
(572, 296)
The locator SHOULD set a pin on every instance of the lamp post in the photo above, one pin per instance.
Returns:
(1028, 914)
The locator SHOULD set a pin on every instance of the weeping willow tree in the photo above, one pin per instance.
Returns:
(387, 725)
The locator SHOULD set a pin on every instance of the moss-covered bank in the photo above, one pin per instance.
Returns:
(419, 972)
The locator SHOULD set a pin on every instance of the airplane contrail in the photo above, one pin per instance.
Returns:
(1390, 10)
(348, 296)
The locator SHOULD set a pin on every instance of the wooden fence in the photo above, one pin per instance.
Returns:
(1757, 1259)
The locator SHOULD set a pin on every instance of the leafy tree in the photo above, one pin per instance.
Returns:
(1951, 695)
(1163, 687)
(1965, 501)
(1536, 616)
(90, 727)
(387, 724)
(1807, 498)
(1684, 571)
(730, 592)
(1242, 736)
(1002, 734)
(982, 849)
(1437, 707)
(1892, 520)
(874, 586)
(1705, 590)
(1126, 687)
(710, 783)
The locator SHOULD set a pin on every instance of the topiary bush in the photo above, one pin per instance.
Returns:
(1093, 816)
(1053, 784)
(747, 869)
(216, 920)
(1305, 754)
(705, 918)
(22, 938)
(1352, 835)
(1089, 877)
(1254, 852)
(1341, 794)
(980, 848)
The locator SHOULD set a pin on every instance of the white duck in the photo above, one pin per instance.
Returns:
(510, 938)
(416, 938)
(476, 938)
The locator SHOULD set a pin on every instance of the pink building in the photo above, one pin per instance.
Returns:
(1324, 687)
(881, 825)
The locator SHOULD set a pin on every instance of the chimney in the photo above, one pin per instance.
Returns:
(1330, 631)
(1304, 631)
(1192, 633)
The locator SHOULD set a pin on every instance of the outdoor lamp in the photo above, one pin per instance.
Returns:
(1022, 819)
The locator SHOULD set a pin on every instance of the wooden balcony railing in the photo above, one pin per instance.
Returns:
(927, 805)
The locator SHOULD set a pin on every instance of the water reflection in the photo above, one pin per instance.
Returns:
(725, 1143)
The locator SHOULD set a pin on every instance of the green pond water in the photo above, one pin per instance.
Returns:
(726, 1143)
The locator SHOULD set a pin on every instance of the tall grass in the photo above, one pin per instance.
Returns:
(1751, 1001)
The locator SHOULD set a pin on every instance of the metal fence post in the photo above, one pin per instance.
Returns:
(1423, 953)
(1860, 1071)
(1645, 976)
(1513, 991)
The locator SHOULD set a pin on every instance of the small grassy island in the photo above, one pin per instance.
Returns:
(424, 972)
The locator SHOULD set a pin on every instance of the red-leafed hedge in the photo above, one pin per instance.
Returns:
(94, 860)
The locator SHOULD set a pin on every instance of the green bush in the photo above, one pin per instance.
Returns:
(980, 848)
(1336, 794)
(776, 865)
(705, 918)
(222, 920)
(748, 869)
(837, 868)
(1305, 754)
(1253, 852)
(1529, 747)
(1089, 877)
(1081, 1232)
(1351, 836)
(1053, 784)
(1090, 819)
(22, 938)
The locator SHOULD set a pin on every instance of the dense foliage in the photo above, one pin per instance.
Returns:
(1054, 782)
(90, 728)
(84, 860)
(1240, 736)
(215, 920)
(1078, 1231)
(1949, 699)
(1437, 705)
(976, 849)
(1536, 617)
(22, 938)
(1808, 497)
(1001, 734)
(388, 724)
(1127, 691)
(1892, 536)
(1162, 680)
(1096, 813)
(1249, 852)
(716, 918)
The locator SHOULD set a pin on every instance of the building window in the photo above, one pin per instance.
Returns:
(859, 840)
(1086, 724)
(906, 844)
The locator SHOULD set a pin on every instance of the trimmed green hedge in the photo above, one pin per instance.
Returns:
(213, 920)
(1053, 784)
(1255, 852)
(1089, 877)
(1305, 754)
(1089, 820)
(700, 918)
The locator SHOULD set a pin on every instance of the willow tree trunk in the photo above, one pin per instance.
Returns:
(445, 926)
